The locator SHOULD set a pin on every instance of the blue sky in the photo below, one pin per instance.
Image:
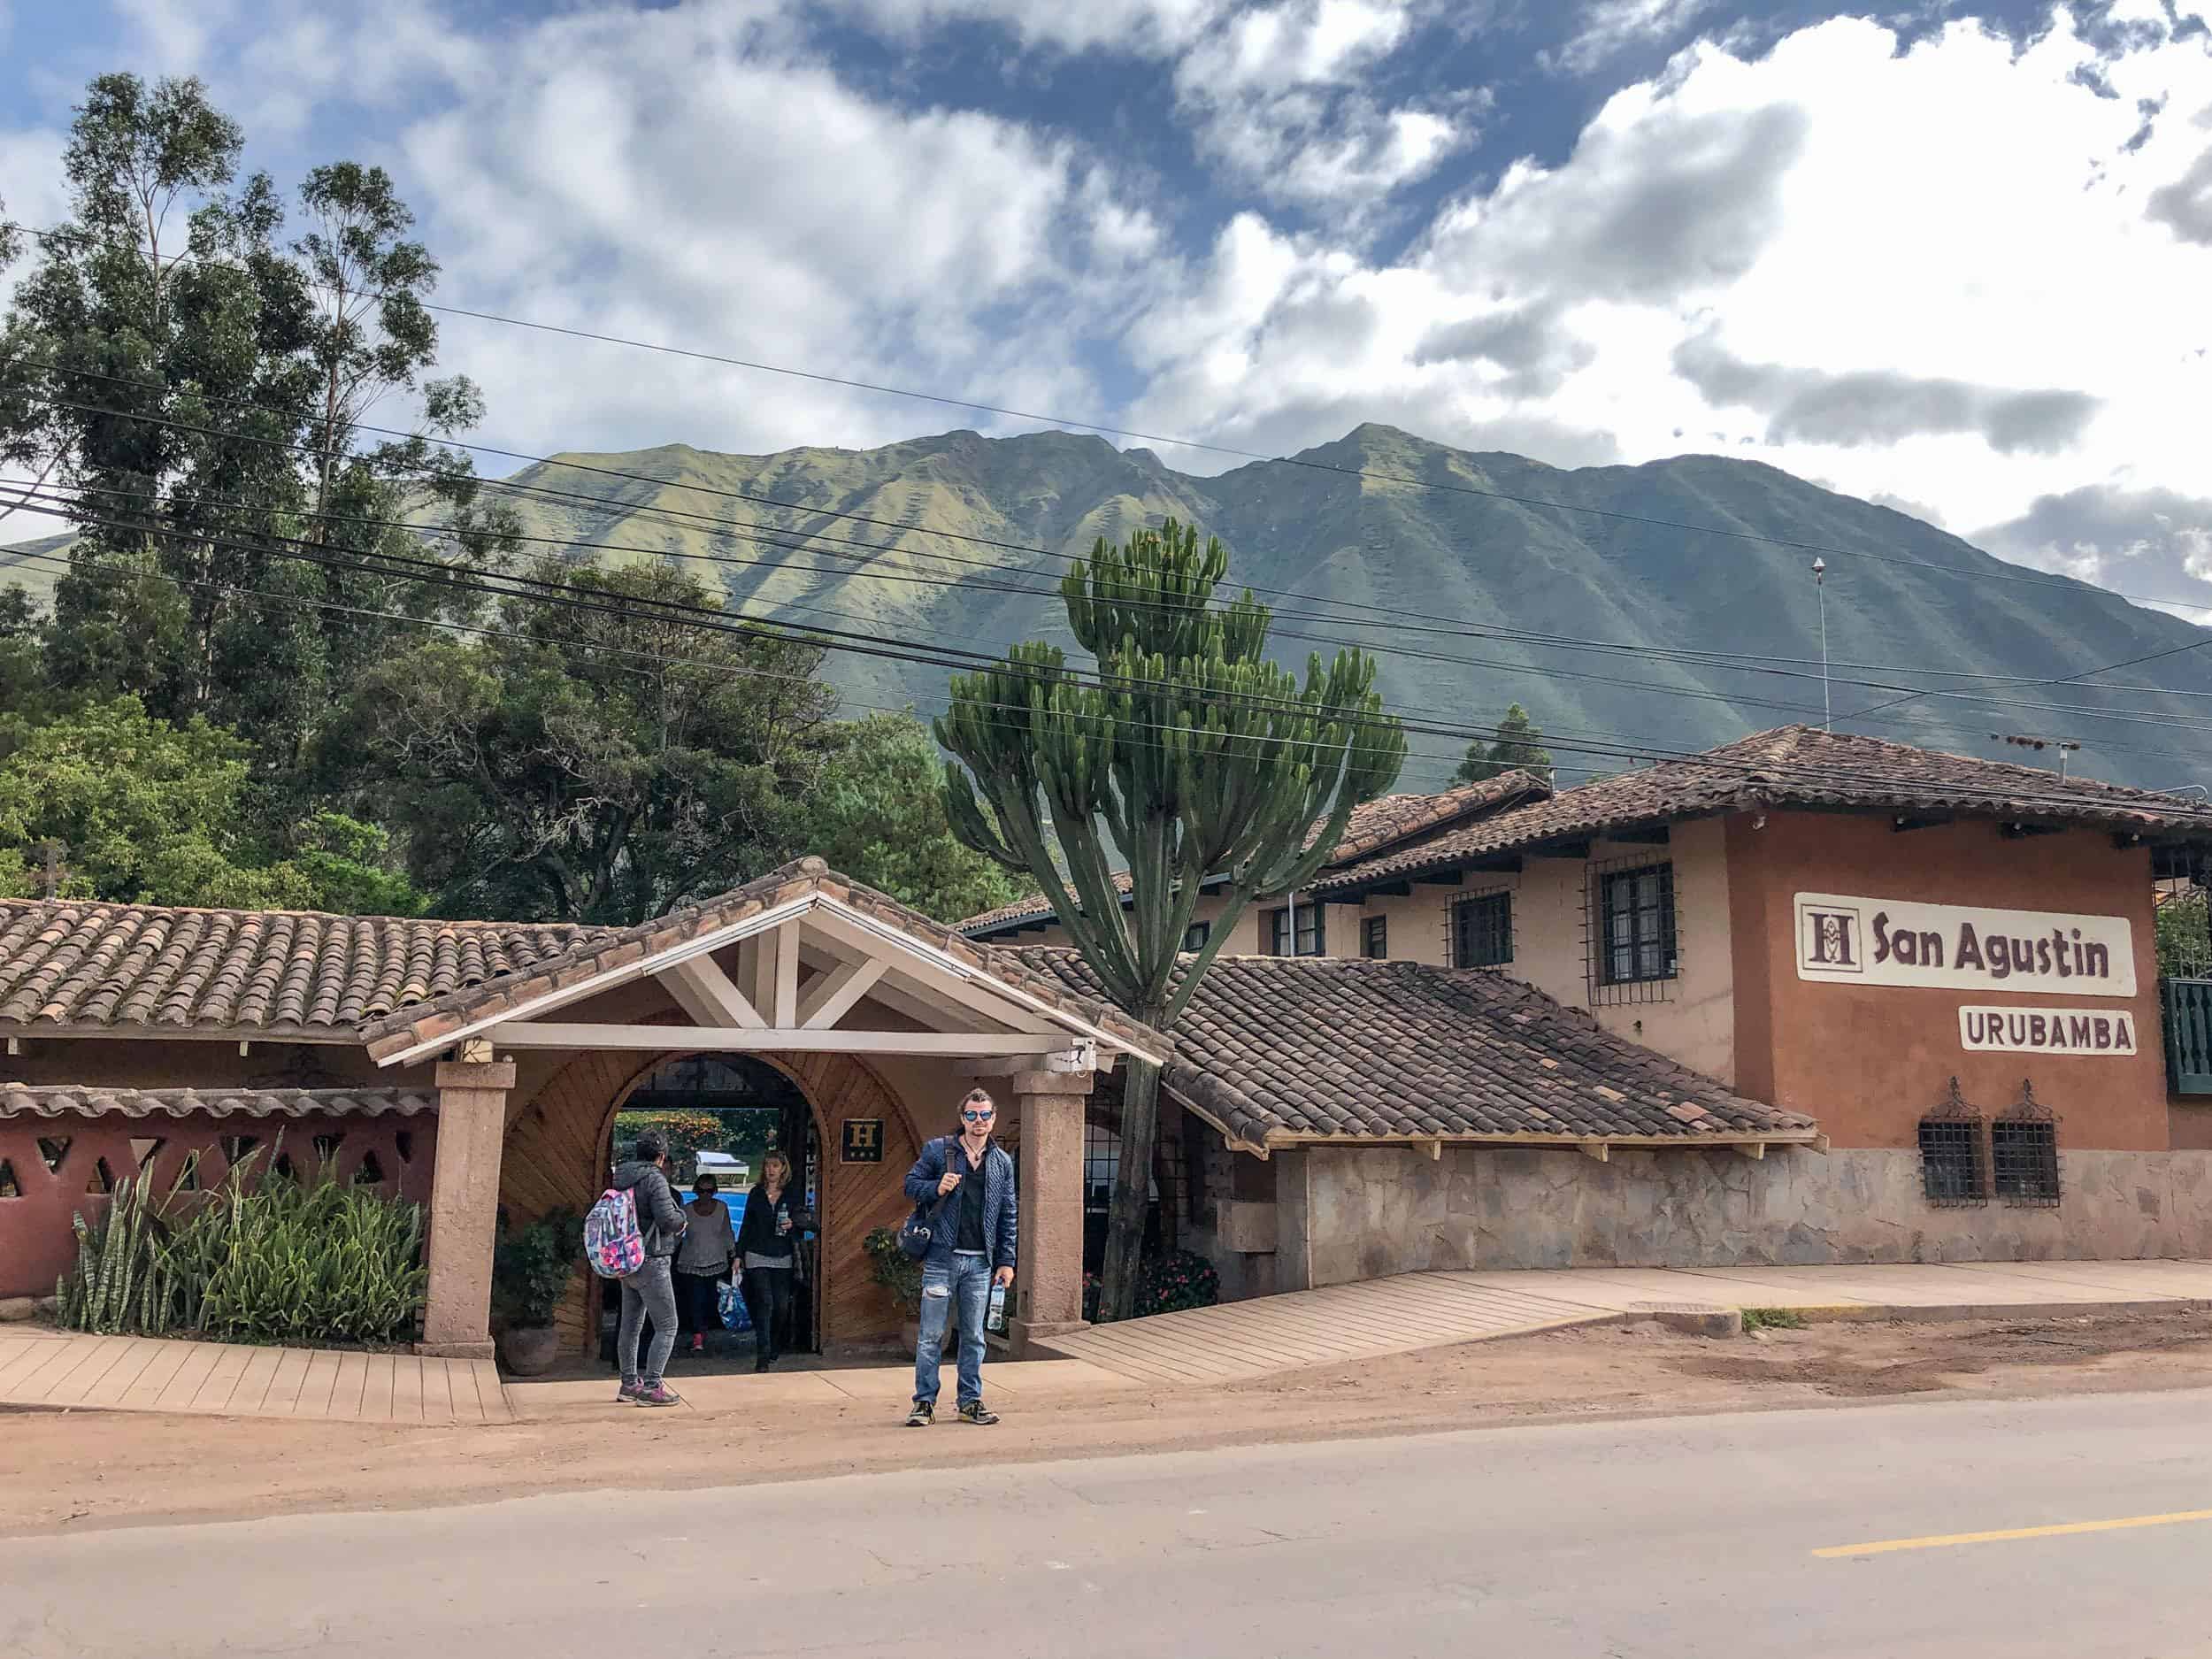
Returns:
(1953, 257)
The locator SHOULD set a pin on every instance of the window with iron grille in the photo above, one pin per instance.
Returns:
(1374, 938)
(1636, 926)
(2023, 1155)
(1953, 1163)
(1196, 934)
(1312, 932)
(1482, 930)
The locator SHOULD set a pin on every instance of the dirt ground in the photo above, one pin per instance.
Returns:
(73, 1471)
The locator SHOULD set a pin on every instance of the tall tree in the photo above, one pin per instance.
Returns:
(1517, 747)
(876, 813)
(590, 765)
(1193, 755)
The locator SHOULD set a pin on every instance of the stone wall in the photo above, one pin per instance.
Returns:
(1354, 1213)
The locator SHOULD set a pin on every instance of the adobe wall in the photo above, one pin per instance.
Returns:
(1361, 1213)
(1244, 940)
(1868, 1061)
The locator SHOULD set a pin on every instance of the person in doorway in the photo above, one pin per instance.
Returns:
(708, 1248)
(650, 1290)
(968, 1181)
(767, 1243)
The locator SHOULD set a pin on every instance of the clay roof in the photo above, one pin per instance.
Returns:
(1793, 765)
(1380, 823)
(394, 983)
(1279, 1050)
(19, 1099)
(603, 950)
(77, 964)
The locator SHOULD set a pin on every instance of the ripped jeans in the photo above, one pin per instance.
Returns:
(969, 1279)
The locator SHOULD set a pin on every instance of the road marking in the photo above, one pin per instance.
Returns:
(1944, 1540)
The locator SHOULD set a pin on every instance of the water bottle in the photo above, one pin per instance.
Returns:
(994, 1318)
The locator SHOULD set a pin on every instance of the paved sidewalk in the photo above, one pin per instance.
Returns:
(1231, 1343)
(1244, 1340)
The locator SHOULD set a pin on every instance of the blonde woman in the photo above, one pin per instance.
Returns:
(766, 1244)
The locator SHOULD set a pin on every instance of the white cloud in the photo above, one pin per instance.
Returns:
(1154, 27)
(1612, 26)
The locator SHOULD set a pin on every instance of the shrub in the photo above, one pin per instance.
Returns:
(532, 1269)
(892, 1269)
(123, 1280)
(1180, 1280)
(289, 1262)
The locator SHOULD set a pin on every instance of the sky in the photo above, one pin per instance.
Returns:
(1955, 257)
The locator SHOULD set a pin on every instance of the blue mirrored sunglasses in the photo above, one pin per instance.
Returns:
(977, 1114)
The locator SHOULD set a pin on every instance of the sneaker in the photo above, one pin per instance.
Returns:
(923, 1415)
(658, 1394)
(699, 1344)
(628, 1393)
(976, 1412)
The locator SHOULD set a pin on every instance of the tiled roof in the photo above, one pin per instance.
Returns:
(605, 950)
(19, 1099)
(78, 964)
(1277, 1050)
(1793, 765)
(1380, 823)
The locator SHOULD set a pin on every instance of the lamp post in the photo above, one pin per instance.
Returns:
(1820, 587)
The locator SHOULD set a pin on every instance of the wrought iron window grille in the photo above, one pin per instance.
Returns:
(2024, 1153)
(1481, 929)
(1953, 1153)
(1632, 946)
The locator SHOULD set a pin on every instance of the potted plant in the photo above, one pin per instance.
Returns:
(531, 1270)
(901, 1275)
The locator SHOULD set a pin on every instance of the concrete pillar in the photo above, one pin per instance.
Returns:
(465, 1208)
(1048, 1269)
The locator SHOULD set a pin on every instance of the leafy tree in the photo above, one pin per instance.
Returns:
(1194, 756)
(689, 1133)
(596, 765)
(877, 814)
(146, 812)
(1518, 747)
(2184, 946)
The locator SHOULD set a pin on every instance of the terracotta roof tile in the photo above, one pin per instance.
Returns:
(1280, 1048)
(1793, 765)
(19, 1099)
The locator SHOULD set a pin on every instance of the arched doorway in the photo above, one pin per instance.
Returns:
(760, 1109)
(560, 1147)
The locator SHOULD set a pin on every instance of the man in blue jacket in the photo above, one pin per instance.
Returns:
(967, 1181)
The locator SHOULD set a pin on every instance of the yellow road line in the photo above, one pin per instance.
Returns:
(1944, 1540)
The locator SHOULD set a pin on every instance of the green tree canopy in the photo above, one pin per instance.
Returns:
(877, 813)
(1192, 756)
(1518, 747)
(600, 764)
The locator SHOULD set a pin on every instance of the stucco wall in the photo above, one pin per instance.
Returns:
(1868, 1061)
(1368, 1211)
(1244, 940)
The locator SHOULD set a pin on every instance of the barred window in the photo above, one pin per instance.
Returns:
(1636, 915)
(1374, 938)
(1196, 934)
(1482, 930)
(1953, 1171)
(2024, 1154)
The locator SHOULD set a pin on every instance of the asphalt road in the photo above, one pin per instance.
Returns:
(1681, 1537)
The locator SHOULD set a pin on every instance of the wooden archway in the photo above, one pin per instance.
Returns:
(557, 1148)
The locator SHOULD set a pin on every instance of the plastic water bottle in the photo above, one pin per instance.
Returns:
(994, 1318)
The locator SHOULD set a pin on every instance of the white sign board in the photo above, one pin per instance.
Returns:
(1962, 947)
(2046, 1031)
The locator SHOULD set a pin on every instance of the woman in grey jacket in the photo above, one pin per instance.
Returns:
(649, 1290)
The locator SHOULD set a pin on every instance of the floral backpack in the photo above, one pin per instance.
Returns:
(612, 1243)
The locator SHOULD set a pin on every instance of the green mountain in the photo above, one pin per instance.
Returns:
(1410, 549)
(1423, 540)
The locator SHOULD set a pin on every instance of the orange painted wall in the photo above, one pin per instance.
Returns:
(1869, 1061)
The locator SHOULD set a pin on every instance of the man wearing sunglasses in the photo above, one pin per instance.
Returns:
(967, 1182)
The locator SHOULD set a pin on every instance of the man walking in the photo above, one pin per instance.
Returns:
(968, 1181)
(649, 1290)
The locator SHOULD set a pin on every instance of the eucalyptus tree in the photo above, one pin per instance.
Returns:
(1188, 754)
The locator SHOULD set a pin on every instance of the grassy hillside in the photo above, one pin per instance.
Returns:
(951, 541)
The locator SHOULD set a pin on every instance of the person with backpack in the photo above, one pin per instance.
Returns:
(648, 1289)
(962, 1188)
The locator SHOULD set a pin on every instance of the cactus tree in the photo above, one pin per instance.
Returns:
(1189, 757)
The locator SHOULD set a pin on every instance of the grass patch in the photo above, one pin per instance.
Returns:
(1772, 1319)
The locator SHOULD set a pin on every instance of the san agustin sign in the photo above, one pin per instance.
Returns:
(1962, 947)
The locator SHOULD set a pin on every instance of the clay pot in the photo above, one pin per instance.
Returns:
(530, 1350)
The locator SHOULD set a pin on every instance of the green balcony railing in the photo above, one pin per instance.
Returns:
(2187, 1007)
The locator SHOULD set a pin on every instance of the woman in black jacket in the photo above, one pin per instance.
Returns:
(766, 1248)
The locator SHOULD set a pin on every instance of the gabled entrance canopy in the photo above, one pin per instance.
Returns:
(801, 961)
